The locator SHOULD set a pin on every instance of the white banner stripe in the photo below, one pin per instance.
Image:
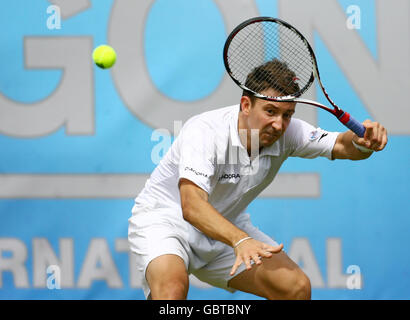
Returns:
(118, 186)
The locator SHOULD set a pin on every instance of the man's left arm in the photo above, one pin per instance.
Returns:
(349, 146)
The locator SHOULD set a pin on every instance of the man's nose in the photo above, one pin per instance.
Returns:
(277, 123)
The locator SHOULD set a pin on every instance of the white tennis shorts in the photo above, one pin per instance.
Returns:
(156, 230)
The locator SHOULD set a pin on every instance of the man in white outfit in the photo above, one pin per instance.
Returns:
(190, 217)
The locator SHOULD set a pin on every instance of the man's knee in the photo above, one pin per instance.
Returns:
(301, 289)
(297, 288)
(167, 278)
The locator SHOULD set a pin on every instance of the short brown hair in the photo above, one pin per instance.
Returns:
(273, 74)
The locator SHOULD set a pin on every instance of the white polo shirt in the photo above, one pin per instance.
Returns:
(208, 152)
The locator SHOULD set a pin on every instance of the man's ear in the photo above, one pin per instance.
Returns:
(246, 105)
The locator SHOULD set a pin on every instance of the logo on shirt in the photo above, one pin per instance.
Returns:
(323, 135)
(314, 135)
(196, 172)
(229, 176)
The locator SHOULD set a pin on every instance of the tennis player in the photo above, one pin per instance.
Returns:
(191, 215)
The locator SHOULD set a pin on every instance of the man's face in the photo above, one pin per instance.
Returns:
(269, 117)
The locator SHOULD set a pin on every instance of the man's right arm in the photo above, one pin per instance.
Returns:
(201, 214)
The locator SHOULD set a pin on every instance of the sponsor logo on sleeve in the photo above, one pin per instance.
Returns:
(313, 135)
(196, 172)
(322, 136)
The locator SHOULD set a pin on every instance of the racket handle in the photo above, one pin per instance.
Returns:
(352, 124)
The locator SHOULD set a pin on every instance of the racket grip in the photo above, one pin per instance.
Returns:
(352, 124)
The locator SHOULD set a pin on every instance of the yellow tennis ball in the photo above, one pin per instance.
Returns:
(104, 56)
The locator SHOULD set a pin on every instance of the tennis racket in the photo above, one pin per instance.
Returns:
(273, 61)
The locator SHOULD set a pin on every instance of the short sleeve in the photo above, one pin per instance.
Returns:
(197, 147)
(307, 141)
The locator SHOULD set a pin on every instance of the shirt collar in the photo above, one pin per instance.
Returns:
(273, 150)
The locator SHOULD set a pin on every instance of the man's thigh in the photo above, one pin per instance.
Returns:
(152, 235)
(217, 271)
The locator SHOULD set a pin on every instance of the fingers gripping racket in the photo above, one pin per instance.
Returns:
(273, 61)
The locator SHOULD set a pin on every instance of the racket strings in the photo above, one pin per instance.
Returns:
(298, 51)
(267, 55)
(244, 54)
(292, 46)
